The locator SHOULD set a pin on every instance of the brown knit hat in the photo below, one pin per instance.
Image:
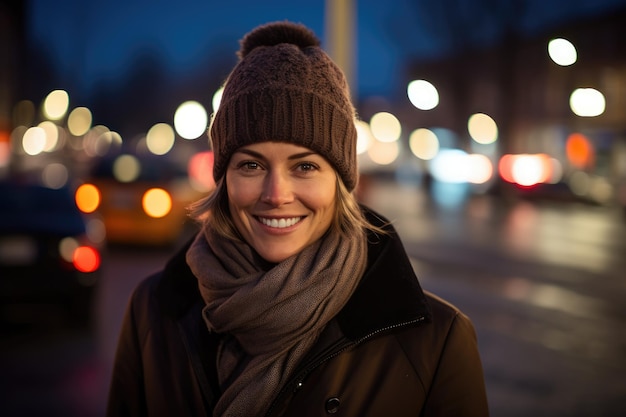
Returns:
(285, 88)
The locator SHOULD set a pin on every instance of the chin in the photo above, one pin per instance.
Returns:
(275, 256)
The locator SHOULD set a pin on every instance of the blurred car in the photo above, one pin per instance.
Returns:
(144, 199)
(46, 254)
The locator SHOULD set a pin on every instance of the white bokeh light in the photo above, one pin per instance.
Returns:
(190, 120)
(424, 144)
(482, 128)
(217, 99)
(562, 52)
(423, 94)
(34, 141)
(385, 127)
(587, 102)
(364, 138)
(160, 139)
(56, 104)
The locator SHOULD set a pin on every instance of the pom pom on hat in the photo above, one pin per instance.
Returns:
(285, 88)
(276, 33)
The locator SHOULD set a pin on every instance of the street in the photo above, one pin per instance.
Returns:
(542, 282)
(544, 285)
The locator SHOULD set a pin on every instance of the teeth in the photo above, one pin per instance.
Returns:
(280, 223)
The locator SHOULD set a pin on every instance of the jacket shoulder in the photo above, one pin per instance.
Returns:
(442, 308)
(446, 324)
(444, 352)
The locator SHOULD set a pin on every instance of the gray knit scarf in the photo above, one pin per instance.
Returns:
(271, 314)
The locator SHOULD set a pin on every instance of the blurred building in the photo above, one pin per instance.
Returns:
(528, 95)
(517, 82)
(11, 51)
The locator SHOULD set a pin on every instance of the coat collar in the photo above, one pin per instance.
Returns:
(389, 293)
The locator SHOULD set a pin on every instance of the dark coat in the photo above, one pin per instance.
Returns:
(394, 350)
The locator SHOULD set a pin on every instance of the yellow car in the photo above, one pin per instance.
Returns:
(143, 200)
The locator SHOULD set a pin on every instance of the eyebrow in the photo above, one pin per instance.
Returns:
(261, 156)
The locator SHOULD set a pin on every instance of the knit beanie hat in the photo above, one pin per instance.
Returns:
(285, 88)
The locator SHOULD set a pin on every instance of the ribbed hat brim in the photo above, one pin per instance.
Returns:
(286, 115)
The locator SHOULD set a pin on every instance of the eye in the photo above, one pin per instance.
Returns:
(249, 165)
(307, 167)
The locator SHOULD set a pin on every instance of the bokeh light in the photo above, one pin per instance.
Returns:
(383, 153)
(364, 138)
(482, 128)
(55, 175)
(86, 259)
(587, 102)
(34, 141)
(87, 198)
(156, 202)
(190, 120)
(528, 170)
(96, 230)
(385, 127)
(422, 94)
(562, 52)
(217, 99)
(200, 170)
(505, 167)
(480, 169)
(5, 148)
(67, 246)
(580, 183)
(79, 121)
(100, 140)
(579, 150)
(126, 168)
(55, 104)
(450, 166)
(556, 171)
(424, 143)
(52, 135)
(160, 139)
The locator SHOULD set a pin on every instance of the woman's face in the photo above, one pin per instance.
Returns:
(281, 197)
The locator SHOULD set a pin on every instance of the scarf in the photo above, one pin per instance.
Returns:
(270, 315)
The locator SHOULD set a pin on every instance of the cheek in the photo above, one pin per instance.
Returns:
(322, 198)
(238, 204)
(240, 194)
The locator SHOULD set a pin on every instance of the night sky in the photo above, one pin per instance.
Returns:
(94, 42)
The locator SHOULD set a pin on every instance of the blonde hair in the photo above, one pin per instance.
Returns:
(213, 211)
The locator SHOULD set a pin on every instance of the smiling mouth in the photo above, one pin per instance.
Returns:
(280, 223)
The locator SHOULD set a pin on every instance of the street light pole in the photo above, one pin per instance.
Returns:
(340, 17)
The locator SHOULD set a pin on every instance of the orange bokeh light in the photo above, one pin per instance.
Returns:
(579, 150)
(156, 202)
(87, 198)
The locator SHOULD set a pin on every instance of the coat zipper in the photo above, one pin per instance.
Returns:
(302, 375)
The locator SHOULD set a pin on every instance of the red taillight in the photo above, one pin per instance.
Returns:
(86, 259)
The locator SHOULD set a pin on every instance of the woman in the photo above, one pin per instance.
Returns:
(292, 300)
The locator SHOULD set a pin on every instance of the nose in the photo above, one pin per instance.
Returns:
(277, 189)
